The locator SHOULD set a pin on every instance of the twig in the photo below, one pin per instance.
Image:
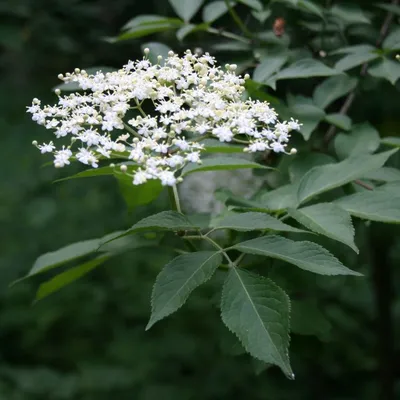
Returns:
(363, 184)
(331, 132)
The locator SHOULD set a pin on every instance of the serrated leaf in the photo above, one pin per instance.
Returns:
(377, 205)
(305, 255)
(340, 120)
(356, 58)
(186, 9)
(257, 311)
(332, 89)
(269, 65)
(178, 279)
(392, 41)
(281, 198)
(305, 68)
(362, 139)
(327, 177)
(327, 219)
(303, 162)
(214, 10)
(67, 277)
(309, 115)
(391, 141)
(221, 163)
(252, 221)
(163, 221)
(386, 69)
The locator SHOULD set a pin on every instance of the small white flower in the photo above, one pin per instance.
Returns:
(46, 148)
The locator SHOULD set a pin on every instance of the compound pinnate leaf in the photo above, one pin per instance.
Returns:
(330, 176)
(305, 255)
(257, 311)
(178, 279)
(327, 219)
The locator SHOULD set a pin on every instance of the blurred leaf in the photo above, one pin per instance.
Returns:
(270, 64)
(178, 279)
(216, 9)
(257, 311)
(393, 8)
(391, 141)
(332, 89)
(377, 205)
(362, 139)
(309, 115)
(67, 277)
(219, 163)
(327, 219)
(357, 57)
(311, 7)
(340, 120)
(304, 69)
(215, 146)
(392, 41)
(261, 16)
(186, 9)
(255, 4)
(349, 14)
(307, 319)
(327, 177)
(138, 195)
(156, 49)
(182, 32)
(147, 20)
(252, 221)
(386, 69)
(305, 255)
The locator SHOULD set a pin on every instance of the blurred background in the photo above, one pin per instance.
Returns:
(88, 340)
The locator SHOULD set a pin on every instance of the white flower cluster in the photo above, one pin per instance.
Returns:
(188, 95)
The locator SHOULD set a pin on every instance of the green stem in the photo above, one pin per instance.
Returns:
(140, 108)
(237, 19)
(130, 130)
(174, 198)
(228, 35)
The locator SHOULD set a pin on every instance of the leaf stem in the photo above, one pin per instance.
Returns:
(174, 198)
(237, 19)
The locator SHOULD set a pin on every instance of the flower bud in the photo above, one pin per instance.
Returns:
(146, 51)
(123, 168)
(293, 151)
(57, 92)
(35, 143)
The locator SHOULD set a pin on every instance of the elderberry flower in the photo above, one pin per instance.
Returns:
(187, 95)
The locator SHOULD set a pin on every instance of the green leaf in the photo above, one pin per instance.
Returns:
(185, 30)
(257, 311)
(252, 221)
(327, 219)
(261, 16)
(390, 8)
(156, 49)
(214, 10)
(303, 162)
(386, 69)
(305, 255)
(147, 20)
(311, 7)
(215, 146)
(391, 141)
(362, 139)
(309, 115)
(327, 177)
(178, 279)
(392, 41)
(67, 277)
(102, 171)
(377, 205)
(357, 57)
(186, 9)
(61, 256)
(340, 120)
(269, 65)
(305, 68)
(281, 198)
(384, 174)
(332, 89)
(349, 14)
(254, 4)
(221, 163)
(74, 86)
(137, 195)
(163, 221)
